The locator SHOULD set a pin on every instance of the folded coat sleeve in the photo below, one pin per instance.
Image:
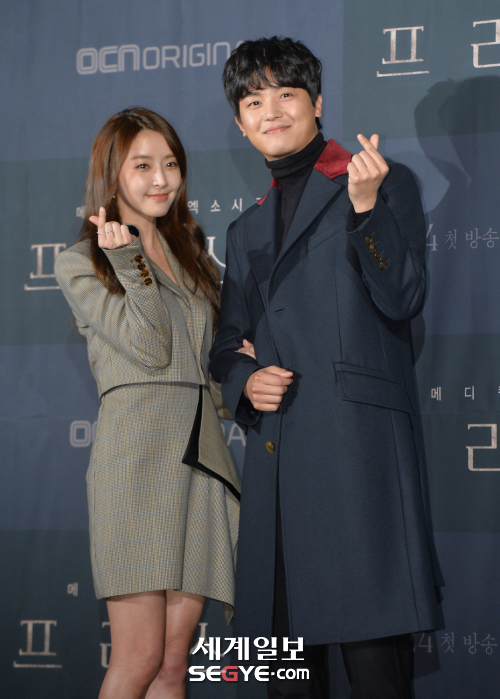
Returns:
(396, 228)
(137, 323)
(231, 368)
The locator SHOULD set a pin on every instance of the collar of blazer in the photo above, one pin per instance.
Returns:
(184, 281)
(326, 181)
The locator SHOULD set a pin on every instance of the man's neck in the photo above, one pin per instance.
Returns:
(298, 162)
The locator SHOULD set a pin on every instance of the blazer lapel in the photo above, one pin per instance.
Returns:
(178, 289)
(195, 307)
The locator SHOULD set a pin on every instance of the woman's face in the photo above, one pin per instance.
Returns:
(149, 178)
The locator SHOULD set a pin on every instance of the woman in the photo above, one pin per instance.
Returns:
(162, 533)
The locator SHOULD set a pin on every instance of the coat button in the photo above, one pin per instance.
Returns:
(377, 256)
(270, 447)
(368, 240)
(144, 273)
(138, 258)
(382, 265)
(372, 247)
(141, 266)
(148, 281)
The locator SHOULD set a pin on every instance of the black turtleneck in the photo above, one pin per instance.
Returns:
(292, 173)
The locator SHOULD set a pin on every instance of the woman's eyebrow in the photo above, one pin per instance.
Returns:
(149, 157)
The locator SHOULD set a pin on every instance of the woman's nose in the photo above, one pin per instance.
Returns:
(160, 177)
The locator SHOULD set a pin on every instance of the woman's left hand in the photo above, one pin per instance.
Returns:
(247, 348)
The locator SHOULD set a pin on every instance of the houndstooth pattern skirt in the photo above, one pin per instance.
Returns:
(155, 523)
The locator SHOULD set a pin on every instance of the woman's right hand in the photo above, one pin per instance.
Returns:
(247, 348)
(110, 234)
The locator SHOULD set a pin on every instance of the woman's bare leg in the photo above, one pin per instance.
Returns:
(182, 616)
(137, 644)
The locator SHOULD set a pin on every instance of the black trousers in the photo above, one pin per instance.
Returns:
(377, 669)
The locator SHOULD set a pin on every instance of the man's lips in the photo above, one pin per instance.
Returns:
(276, 129)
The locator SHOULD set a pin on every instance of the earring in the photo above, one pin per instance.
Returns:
(113, 197)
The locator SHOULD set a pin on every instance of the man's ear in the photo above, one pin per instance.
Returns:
(318, 106)
(240, 125)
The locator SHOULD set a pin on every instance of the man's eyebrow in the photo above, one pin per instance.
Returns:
(272, 86)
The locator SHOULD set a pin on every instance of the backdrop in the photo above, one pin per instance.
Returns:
(426, 77)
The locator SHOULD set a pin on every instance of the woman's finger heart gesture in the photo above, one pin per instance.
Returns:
(111, 234)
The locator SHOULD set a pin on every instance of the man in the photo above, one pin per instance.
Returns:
(322, 276)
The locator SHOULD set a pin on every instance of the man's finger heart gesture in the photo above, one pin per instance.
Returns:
(367, 171)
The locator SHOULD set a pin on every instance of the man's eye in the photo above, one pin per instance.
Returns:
(286, 94)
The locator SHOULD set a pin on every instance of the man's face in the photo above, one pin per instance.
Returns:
(279, 121)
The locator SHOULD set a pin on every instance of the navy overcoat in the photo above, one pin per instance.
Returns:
(333, 307)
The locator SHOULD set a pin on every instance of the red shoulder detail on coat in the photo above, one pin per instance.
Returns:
(274, 183)
(333, 160)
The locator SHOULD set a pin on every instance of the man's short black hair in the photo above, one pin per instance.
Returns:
(275, 61)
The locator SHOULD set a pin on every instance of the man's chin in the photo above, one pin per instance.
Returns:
(280, 151)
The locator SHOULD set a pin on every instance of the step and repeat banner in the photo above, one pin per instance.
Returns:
(426, 77)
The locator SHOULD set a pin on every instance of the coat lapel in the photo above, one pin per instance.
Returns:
(261, 237)
(325, 182)
(318, 193)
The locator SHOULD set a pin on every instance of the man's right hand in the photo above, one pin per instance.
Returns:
(266, 387)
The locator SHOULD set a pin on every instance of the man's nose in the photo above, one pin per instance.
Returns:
(273, 110)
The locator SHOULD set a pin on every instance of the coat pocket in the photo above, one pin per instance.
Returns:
(362, 385)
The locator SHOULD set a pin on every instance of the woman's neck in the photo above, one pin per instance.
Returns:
(145, 224)
(149, 235)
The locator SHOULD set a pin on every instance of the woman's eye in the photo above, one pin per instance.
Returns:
(142, 166)
(172, 164)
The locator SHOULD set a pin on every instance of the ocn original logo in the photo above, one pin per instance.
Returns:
(113, 59)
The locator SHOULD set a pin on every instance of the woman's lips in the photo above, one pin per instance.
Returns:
(157, 197)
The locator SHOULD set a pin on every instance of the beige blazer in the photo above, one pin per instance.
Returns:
(144, 336)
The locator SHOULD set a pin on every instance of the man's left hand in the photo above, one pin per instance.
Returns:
(367, 170)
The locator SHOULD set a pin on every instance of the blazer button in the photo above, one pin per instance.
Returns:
(382, 265)
(138, 258)
(377, 256)
(141, 266)
(144, 273)
(368, 240)
(270, 447)
(148, 281)
(372, 247)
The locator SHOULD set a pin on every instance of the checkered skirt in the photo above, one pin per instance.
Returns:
(156, 523)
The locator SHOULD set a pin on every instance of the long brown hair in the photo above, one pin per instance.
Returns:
(178, 227)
